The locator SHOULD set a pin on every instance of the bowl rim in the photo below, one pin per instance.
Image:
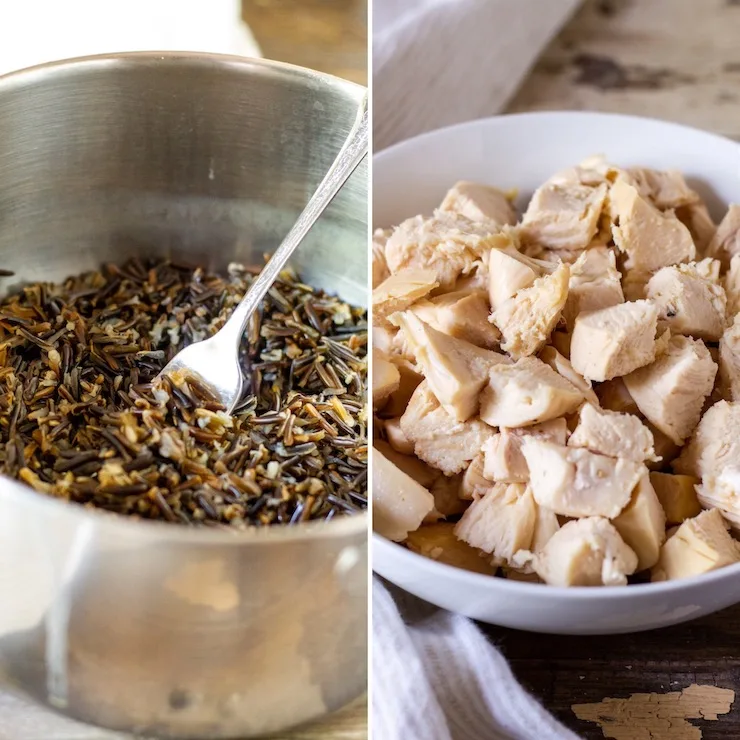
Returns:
(435, 569)
(20, 495)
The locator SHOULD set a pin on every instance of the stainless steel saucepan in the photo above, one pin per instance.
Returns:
(136, 625)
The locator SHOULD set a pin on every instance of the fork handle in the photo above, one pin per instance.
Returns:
(351, 154)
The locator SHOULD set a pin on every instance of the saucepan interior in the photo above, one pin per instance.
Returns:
(136, 625)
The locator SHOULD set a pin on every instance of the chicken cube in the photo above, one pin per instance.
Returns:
(642, 524)
(408, 380)
(563, 215)
(501, 522)
(561, 365)
(447, 243)
(455, 370)
(423, 474)
(614, 341)
(527, 392)
(689, 299)
(726, 241)
(461, 315)
(700, 545)
(479, 203)
(664, 189)
(399, 502)
(399, 291)
(386, 378)
(671, 391)
(649, 238)
(614, 396)
(380, 266)
(721, 490)
(732, 288)
(510, 271)
(438, 542)
(396, 438)
(594, 283)
(528, 318)
(677, 496)
(439, 439)
(474, 481)
(714, 444)
(573, 481)
(729, 362)
(503, 459)
(700, 224)
(447, 501)
(586, 552)
(612, 433)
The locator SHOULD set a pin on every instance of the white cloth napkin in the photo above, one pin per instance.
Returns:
(439, 62)
(435, 63)
(436, 677)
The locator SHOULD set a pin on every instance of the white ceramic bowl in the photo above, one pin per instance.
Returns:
(522, 151)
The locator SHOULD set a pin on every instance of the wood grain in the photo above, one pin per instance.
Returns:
(672, 59)
(349, 723)
(562, 671)
(327, 35)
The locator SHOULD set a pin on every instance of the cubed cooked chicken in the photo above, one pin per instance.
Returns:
(729, 362)
(479, 203)
(380, 266)
(664, 189)
(690, 299)
(562, 365)
(510, 271)
(576, 482)
(399, 291)
(399, 502)
(586, 552)
(563, 215)
(594, 283)
(446, 493)
(423, 474)
(700, 545)
(527, 392)
(731, 285)
(503, 459)
(447, 243)
(649, 238)
(455, 370)
(700, 224)
(438, 438)
(396, 438)
(677, 496)
(642, 524)
(671, 391)
(726, 241)
(614, 396)
(461, 315)
(612, 433)
(614, 341)
(527, 319)
(408, 380)
(714, 444)
(501, 522)
(547, 375)
(386, 378)
(438, 542)
(474, 481)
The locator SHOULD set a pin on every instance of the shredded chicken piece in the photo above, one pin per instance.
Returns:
(726, 241)
(479, 203)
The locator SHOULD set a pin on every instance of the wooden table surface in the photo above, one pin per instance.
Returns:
(678, 60)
